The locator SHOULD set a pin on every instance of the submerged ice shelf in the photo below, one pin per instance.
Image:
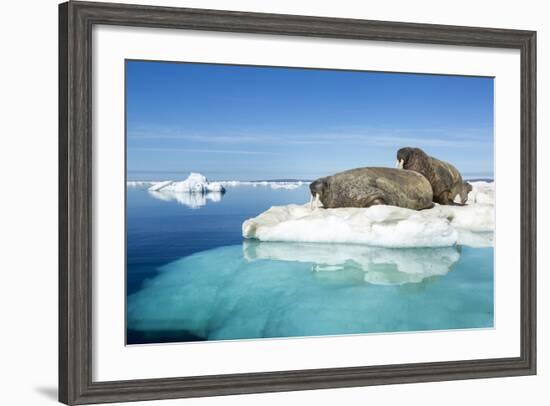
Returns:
(383, 226)
(285, 289)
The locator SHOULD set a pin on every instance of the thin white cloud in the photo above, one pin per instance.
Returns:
(205, 150)
(447, 139)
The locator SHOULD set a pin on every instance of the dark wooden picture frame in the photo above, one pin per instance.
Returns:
(76, 20)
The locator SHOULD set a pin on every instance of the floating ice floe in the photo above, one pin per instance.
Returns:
(382, 226)
(193, 192)
(195, 183)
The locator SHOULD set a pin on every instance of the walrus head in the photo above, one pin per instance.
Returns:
(318, 189)
(409, 158)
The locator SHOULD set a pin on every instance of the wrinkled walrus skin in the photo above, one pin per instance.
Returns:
(446, 180)
(365, 187)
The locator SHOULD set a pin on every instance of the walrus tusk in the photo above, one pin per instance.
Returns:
(316, 202)
(311, 202)
(399, 164)
(396, 164)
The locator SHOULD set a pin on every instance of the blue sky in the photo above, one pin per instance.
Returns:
(236, 122)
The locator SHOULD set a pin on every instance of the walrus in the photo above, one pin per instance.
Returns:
(365, 187)
(447, 183)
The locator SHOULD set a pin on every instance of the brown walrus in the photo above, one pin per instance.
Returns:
(365, 187)
(447, 183)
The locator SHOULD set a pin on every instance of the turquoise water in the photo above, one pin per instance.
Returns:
(191, 277)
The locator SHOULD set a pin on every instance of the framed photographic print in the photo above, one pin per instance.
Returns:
(258, 202)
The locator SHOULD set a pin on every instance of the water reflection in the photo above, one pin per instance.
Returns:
(381, 266)
(191, 200)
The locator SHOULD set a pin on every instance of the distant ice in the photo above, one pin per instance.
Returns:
(218, 186)
(382, 226)
(139, 183)
(273, 184)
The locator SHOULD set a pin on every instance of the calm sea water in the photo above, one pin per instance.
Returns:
(190, 276)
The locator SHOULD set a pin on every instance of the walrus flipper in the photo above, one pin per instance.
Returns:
(378, 200)
(431, 206)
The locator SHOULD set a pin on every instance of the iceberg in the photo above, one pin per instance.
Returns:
(193, 192)
(382, 225)
(195, 183)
